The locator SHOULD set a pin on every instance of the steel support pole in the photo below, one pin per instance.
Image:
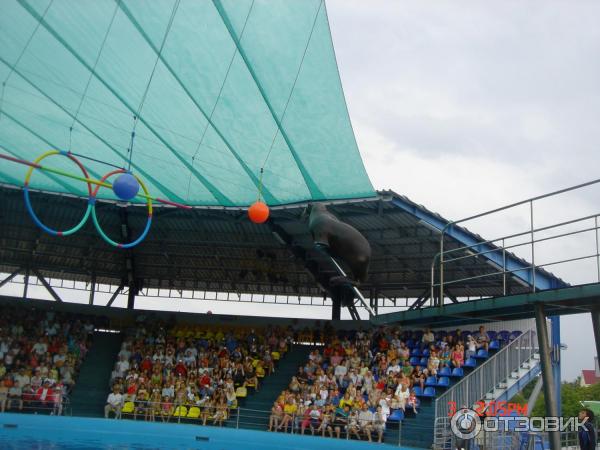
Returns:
(92, 290)
(26, 283)
(336, 307)
(547, 375)
(596, 325)
(556, 360)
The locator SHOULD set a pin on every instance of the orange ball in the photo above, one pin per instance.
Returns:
(258, 212)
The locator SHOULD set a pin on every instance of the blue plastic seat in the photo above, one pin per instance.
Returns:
(418, 391)
(445, 372)
(482, 354)
(515, 334)
(414, 361)
(410, 343)
(426, 352)
(396, 415)
(503, 335)
(471, 362)
(423, 362)
(429, 392)
(457, 372)
(431, 381)
(494, 345)
(492, 334)
(443, 382)
(415, 352)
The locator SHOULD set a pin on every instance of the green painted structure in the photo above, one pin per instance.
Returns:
(219, 90)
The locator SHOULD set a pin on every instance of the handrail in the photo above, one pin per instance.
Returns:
(496, 369)
(439, 257)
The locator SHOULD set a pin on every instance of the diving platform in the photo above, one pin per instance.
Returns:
(556, 302)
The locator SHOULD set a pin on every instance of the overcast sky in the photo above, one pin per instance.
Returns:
(466, 106)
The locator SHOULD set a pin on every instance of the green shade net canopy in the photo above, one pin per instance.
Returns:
(215, 91)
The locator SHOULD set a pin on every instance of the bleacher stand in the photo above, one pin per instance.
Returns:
(40, 356)
(362, 380)
(192, 372)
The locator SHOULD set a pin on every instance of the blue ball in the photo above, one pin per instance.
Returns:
(126, 186)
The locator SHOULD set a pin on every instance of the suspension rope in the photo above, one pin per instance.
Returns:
(13, 67)
(139, 110)
(288, 99)
(87, 85)
(208, 122)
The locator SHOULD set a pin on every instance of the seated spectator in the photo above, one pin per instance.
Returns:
(412, 401)
(353, 425)
(276, 416)
(114, 403)
(433, 363)
(340, 420)
(15, 395)
(3, 395)
(379, 420)
(482, 338)
(427, 339)
(312, 419)
(326, 421)
(458, 356)
(44, 396)
(365, 421)
(471, 347)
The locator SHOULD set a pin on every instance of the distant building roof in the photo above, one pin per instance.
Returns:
(589, 377)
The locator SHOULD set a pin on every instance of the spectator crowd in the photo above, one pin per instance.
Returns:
(194, 372)
(40, 355)
(359, 380)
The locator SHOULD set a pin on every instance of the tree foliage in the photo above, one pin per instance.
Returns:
(571, 395)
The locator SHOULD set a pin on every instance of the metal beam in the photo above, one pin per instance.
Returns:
(547, 375)
(129, 262)
(92, 289)
(116, 293)
(49, 288)
(596, 325)
(421, 299)
(543, 280)
(500, 306)
(10, 277)
(26, 283)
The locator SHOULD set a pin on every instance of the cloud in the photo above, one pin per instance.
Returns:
(467, 106)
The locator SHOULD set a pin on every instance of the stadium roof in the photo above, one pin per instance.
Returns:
(219, 249)
(220, 89)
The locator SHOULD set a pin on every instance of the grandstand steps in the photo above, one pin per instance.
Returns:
(89, 395)
(517, 380)
(417, 430)
(271, 386)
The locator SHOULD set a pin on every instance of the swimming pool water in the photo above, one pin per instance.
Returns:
(41, 432)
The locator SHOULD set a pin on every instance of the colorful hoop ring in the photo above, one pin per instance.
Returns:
(35, 218)
(95, 218)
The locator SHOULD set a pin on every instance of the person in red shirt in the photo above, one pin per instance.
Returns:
(146, 364)
(180, 369)
(205, 380)
(44, 395)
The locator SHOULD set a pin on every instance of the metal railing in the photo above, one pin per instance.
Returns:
(55, 407)
(497, 246)
(245, 418)
(497, 369)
